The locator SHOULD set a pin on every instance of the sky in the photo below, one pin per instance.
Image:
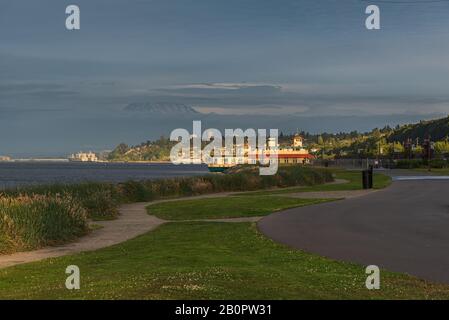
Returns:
(302, 63)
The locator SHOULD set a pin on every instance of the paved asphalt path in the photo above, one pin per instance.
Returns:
(403, 228)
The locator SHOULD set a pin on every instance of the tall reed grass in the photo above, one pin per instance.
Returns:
(102, 199)
(28, 222)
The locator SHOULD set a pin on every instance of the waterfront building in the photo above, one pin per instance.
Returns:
(294, 154)
(84, 157)
(298, 141)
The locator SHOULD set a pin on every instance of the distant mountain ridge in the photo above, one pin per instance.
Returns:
(162, 108)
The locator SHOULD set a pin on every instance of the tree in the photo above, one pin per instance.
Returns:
(120, 150)
(442, 147)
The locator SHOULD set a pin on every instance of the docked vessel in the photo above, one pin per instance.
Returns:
(219, 168)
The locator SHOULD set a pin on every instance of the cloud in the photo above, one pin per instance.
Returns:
(36, 90)
(303, 99)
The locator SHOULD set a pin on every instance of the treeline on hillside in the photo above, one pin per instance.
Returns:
(407, 141)
(437, 129)
(158, 150)
(399, 142)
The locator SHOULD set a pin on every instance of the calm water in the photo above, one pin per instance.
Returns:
(32, 173)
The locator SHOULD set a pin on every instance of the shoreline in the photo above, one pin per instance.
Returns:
(68, 161)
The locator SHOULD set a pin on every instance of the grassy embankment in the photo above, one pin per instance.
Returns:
(226, 207)
(30, 216)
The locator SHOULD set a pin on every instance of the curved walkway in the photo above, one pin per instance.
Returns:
(403, 228)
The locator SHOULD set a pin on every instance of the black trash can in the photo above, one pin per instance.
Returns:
(370, 177)
(365, 179)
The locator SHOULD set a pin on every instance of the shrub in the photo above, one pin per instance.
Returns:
(438, 163)
(409, 163)
(99, 199)
(100, 205)
(135, 191)
(28, 222)
(202, 186)
(421, 163)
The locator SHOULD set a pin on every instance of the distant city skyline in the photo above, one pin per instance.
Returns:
(278, 63)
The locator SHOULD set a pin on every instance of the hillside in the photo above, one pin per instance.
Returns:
(158, 150)
(438, 130)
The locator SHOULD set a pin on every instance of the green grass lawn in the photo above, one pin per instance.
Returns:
(205, 260)
(435, 171)
(354, 179)
(226, 207)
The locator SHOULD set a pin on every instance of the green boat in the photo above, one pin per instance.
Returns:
(219, 169)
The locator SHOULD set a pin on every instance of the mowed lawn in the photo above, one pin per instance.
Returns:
(226, 207)
(434, 171)
(353, 178)
(206, 260)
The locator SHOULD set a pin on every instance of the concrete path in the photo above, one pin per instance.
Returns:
(403, 228)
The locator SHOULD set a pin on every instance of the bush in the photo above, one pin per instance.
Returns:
(438, 163)
(246, 179)
(409, 164)
(99, 199)
(100, 205)
(135, 191)
(28, 222)
(421, 163)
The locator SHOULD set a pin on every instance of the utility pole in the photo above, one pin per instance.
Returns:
(428, 154)
(378, 153)
(428, 151)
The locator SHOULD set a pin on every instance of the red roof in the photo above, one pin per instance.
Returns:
(296, 156)
(291, 156)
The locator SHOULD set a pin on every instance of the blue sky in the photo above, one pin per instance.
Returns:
(307, 58)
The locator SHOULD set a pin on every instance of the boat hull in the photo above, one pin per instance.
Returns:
(218, 169)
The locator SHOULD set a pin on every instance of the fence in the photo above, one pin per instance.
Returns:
(354, 163)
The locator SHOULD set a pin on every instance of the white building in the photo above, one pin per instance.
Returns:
(84, 157)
